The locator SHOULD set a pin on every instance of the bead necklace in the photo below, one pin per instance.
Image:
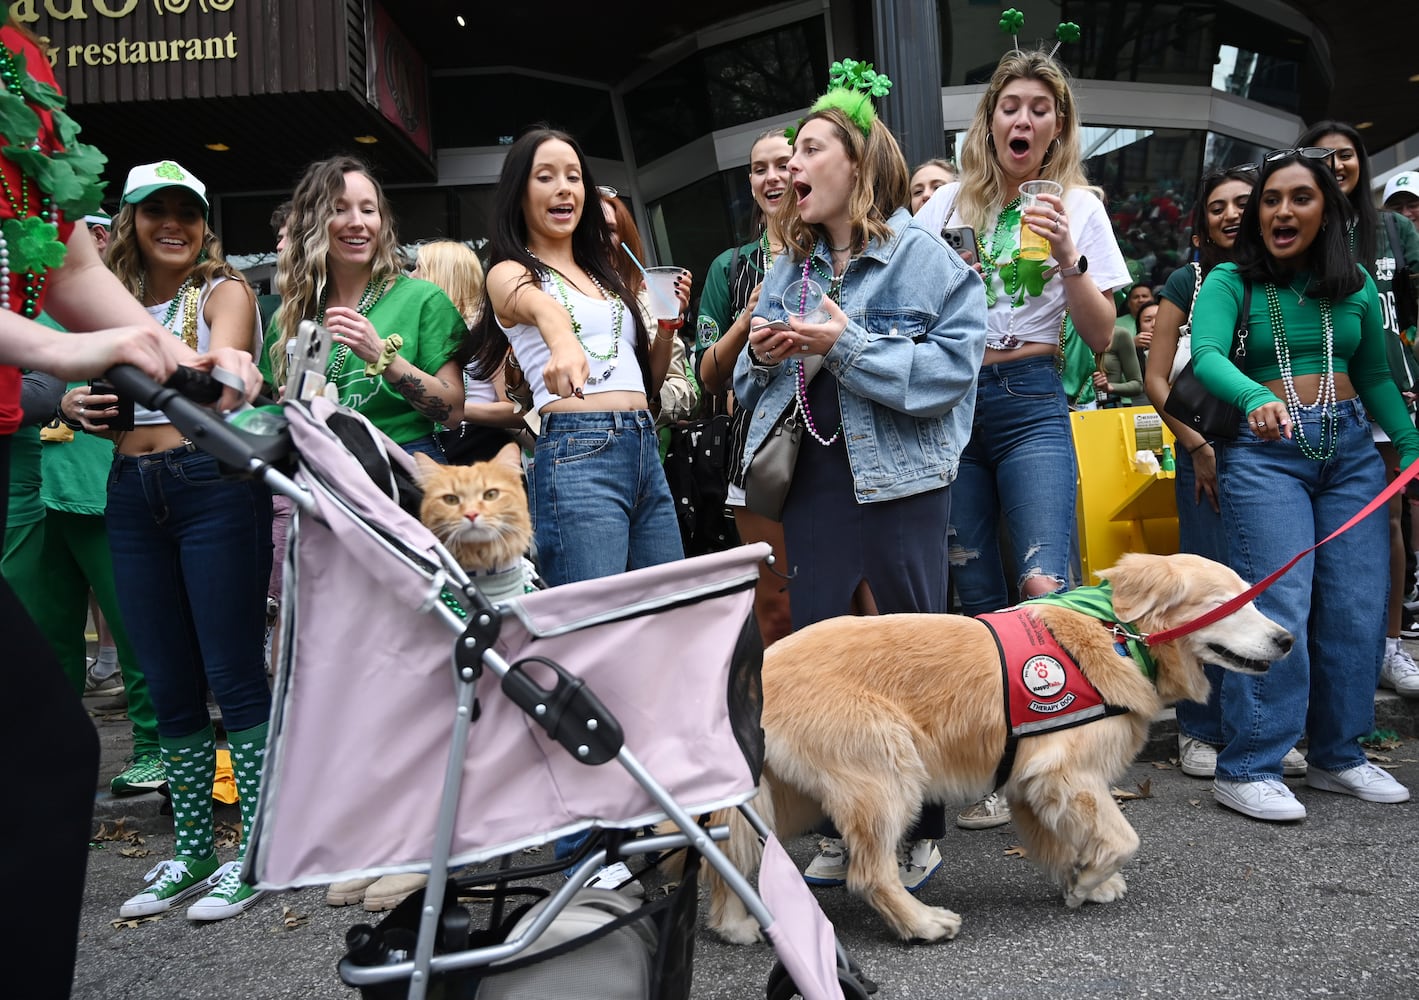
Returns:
(374, 290)
(183, 303)
(835, 290)
(1003, 247)
(1325, 397)
(768, 253)
(618, 315)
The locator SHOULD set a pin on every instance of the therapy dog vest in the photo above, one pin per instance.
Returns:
(1044, 689)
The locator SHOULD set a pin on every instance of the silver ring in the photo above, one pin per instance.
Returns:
(1056, 225)
(804, 348)
(82, 411)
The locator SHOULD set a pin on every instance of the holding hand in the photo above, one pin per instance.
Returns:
(1048, 219)
(348, 327)
(1271, 421)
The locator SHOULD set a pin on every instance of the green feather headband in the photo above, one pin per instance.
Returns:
(851, 87)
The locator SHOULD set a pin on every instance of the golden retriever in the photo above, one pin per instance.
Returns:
(865, 718)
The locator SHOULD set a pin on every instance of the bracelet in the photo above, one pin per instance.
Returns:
(754, 358)
(666, 339)
(1194, 450)
(73, 425)
(386, 357)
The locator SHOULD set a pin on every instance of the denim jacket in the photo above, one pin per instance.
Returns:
(906, 364)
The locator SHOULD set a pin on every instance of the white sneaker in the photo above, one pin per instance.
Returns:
(1364, 781)
(1196, 758)
(1294, 765)
(990, 811)
(616, 876)
(1400, 672)
(917, 863)
(227, 895)
(830, 866)
(1267, 799)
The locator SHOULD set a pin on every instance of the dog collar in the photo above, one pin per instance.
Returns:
(1098, 602)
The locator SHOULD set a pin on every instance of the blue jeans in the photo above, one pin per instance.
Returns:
(1019, 464)
(602, 503)
(192, 559)
(429, 445)
(1201, 532)
(1277, 502)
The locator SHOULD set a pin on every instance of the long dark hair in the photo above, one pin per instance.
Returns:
(591, 248)
(1362, 209)
(1210, 254)
(1334, 273)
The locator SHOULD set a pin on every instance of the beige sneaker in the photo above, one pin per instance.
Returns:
(348, 892)
(390, 890)
(1294, 765)
(990, 811)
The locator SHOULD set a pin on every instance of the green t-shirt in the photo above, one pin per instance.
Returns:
(432, 329)
(24, 503)
(720, 302)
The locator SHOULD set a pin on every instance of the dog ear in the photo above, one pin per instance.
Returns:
(1144, 585)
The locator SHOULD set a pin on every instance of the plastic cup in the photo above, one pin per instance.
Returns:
(1032, 245)
(804, 300)
(660, 289)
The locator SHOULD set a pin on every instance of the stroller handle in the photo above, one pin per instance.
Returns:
(231, 445)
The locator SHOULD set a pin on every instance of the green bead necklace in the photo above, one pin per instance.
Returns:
(618, 315)
(374, 290)
(183, 303)
(1325, 397)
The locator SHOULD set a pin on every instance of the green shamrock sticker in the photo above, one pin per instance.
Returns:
(170, 171)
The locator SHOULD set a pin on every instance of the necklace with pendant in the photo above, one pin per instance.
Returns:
(614, 305)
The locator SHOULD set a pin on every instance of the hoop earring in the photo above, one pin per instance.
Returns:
(990, 140)
(1049, 151)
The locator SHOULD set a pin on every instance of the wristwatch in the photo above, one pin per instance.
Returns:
(1080, 266)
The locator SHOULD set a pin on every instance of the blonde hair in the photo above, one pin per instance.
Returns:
(454, 268)
(881, 187)
(302, 269)
(125, 259)
(982, 179)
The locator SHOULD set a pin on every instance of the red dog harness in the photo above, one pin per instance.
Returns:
(1044, 688)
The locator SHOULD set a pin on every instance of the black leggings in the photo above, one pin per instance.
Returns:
(43, 851)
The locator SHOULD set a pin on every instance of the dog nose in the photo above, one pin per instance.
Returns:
(1284, 642)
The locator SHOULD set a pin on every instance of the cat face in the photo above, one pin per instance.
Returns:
(479, 512)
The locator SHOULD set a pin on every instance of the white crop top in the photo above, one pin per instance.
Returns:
(144, 417)
(614, 368)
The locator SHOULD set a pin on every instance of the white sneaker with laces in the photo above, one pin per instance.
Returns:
(917, 862)
(990, 811)
(1294, 765)
(227, 895)
(1266, 799)
(1364, 781)
(1400, 673)
(830, 866)
(1196, 758)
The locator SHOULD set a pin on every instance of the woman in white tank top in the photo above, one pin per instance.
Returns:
(599, 494)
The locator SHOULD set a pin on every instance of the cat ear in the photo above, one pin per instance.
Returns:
(424, 466)
(511, 456)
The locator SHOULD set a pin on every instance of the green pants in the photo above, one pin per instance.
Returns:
(52, 567)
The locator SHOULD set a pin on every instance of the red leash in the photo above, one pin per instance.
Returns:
(1218, 613)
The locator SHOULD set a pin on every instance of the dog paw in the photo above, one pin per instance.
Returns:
(936, 924)
(744, 931)
(1109, 890)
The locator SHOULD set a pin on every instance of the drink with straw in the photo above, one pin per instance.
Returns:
(1033, 246)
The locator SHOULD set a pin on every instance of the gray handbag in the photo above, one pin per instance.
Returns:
(770, 472)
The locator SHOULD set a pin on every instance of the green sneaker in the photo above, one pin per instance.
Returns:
(143, 774)
(229, 896)
(172, 882)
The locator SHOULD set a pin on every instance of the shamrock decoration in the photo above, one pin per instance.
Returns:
(1067, 31)
(170, 171)
(1011, 21)
(34, 244)
(850, 74)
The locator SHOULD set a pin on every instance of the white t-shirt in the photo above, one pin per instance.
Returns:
(597, 319)
(1024, 306)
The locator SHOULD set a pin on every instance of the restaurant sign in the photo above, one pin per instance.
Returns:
(125, 51)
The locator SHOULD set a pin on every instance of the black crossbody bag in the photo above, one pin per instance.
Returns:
(1190, 402)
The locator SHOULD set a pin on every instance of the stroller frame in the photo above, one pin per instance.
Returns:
(569, 713)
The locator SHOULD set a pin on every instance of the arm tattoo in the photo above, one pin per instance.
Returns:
(411, 387)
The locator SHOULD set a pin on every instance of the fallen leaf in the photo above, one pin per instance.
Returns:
(135, 852)
(291, 919)
(130, 924)
(1165, 765)
(227, 835)
(1016, 851)
(119, 833)
(1194, 802)
(1145, 791)
(1380, 758)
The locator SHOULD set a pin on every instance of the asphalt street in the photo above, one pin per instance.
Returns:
(1219, 906)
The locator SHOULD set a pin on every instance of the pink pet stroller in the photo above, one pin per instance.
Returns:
(479, 731)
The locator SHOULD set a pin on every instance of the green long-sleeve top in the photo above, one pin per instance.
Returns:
(1121, 365)
(1358, 347)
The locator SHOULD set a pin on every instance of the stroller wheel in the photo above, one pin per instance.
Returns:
(781, 986)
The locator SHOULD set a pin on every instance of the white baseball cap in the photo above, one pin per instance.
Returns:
(145, 179)
(1406, 182)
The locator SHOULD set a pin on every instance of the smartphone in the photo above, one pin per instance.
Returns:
(124, 420)
(961, 239)
(777, 324)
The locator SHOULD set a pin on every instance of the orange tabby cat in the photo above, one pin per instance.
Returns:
(479, 512)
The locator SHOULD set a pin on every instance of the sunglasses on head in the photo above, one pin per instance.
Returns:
(606, 191)
(1305, 152)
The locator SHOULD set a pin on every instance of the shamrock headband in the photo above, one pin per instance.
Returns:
(851, 87)
(1012, 20)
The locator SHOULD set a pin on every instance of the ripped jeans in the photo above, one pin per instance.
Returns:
(1019, 465)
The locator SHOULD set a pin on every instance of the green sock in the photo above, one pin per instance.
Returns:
(248, 749)
(190, 764)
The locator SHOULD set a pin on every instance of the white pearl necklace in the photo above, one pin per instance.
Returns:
(1325, 397)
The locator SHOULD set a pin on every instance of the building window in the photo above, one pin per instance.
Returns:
(508, 104)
